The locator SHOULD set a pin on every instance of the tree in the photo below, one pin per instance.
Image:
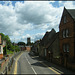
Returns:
(21, 43)
(4, 50)
(9, 46)
(17, 48)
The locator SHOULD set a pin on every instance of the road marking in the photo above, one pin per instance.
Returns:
(27, 60)
(50, 68)
(30, 65)
(33, 70)
(15, 69)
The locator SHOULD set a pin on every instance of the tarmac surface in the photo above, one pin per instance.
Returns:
(26, 64)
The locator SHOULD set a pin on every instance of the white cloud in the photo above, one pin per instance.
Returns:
(15, 20)
(67, 4)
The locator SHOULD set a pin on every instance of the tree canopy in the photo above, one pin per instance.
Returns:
(9, 46)
(21, 43)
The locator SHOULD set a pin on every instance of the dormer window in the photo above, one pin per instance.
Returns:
(65, 20)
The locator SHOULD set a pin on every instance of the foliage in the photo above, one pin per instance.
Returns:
(21, 43)
(4, 50)
(29, 44)
(17, 49)
(9, 46)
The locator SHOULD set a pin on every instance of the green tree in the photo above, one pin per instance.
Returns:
(17, 48)
(21, 43)
(9, 46)
(4, 50)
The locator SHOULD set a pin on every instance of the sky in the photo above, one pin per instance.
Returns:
(22, 19)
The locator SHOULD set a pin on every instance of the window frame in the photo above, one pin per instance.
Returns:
(67, 32)
(65, 19)
(63, 32)
(66, 48)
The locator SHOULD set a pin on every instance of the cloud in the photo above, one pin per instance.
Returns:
(33, 37)
(67, 4)
(39, 14)
(30, 15)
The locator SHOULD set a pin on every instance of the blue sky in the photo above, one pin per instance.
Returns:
(22, 19)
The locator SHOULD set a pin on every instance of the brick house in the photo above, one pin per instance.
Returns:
(2, 44)
(67, 36)
(28, 48)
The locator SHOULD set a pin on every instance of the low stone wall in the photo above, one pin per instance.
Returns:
(7, 63)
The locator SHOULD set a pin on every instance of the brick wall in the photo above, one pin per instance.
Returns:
(28, 48)
(70, 40)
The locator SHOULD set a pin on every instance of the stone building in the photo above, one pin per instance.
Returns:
(28, 41)
(45, 41)
(52, 48)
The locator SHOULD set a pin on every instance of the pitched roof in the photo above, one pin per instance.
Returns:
(52, 39)
(47, 37)
(72, 12)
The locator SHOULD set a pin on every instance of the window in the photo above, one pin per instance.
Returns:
(63, 33)
(64, 48)
(65, 19)
(67, 32)
(67, 48)
(0, 48)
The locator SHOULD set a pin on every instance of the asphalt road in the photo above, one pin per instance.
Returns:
(27, 65)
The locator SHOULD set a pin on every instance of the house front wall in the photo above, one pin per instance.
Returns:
(28, 48)
(55, 48)
(67, 40)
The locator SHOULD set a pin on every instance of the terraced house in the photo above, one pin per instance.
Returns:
(67, 37)
(49, 45)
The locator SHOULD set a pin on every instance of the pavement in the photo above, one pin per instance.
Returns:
(26, 64)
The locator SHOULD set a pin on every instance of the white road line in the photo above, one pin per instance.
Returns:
(30, 65)
(33, 70)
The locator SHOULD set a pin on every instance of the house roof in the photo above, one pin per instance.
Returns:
(72, 12)
(52, 40)
(47, 37)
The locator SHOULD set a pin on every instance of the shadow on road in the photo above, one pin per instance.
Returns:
(58, 68)
(38, 64)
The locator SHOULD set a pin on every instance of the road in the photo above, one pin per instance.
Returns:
(26, 64)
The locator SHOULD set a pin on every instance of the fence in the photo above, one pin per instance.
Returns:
(9, 64)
